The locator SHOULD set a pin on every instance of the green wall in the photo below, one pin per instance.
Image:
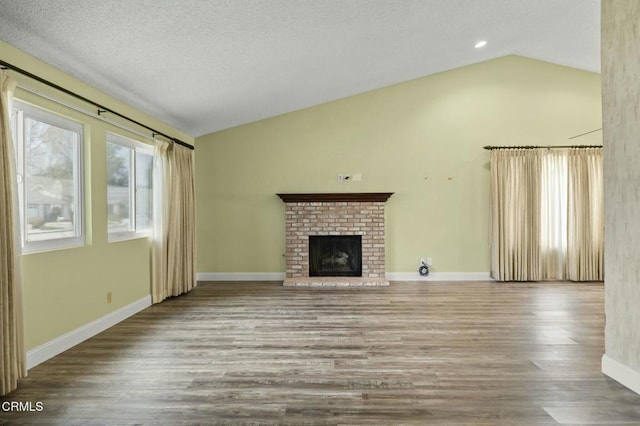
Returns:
(421, 140)
(66, 289)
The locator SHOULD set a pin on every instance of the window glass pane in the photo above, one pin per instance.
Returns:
(50, 175)
(118, 188)
(144, 191)
(130, 187)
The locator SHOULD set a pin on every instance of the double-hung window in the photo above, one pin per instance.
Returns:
(49, 163)
(129, 188)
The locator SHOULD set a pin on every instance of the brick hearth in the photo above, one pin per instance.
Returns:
(335, 214)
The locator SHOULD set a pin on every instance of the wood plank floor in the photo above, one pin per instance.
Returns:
(413, 353)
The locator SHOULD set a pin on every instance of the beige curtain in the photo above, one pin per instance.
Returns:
(553, 211)
(12, 353)
(160, 256)
(515, 219)
(546, 214)
(174, 229)
(585, 260)
(182, 222)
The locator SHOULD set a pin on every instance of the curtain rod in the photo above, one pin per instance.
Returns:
(101, 108)
(90, 113)
(490, 148)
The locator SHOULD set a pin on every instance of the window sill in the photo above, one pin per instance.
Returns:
(52, 245)
(126, 236)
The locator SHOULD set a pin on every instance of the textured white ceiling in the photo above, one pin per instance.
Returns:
(207, 65)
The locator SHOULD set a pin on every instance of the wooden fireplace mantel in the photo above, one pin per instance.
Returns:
(336, 197)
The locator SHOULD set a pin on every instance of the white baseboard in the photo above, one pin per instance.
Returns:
(391, 276)
(439, 276)
(240, 276)
(60, 344)
(622, 374)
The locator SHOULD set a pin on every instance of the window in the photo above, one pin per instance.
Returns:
(129, 188)
(50, 178)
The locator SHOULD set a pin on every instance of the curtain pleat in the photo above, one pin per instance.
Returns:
(12, 352)
(546, 214)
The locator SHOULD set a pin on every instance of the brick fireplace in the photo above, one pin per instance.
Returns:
(336, 214)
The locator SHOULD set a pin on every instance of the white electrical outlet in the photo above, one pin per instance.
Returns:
(357, 177)
(429, 261)
(340, 178)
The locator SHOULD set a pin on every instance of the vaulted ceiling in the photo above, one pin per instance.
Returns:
(206, 65)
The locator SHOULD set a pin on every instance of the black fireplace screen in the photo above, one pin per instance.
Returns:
(335, 256)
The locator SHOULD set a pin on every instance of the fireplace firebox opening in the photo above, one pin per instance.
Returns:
(335, 256)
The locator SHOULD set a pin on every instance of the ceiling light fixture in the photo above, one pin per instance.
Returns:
(481, 43)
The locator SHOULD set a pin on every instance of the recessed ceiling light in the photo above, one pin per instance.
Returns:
(481, 43)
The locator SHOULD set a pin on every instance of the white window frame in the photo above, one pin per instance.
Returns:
(136, 147)
(20, 112)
